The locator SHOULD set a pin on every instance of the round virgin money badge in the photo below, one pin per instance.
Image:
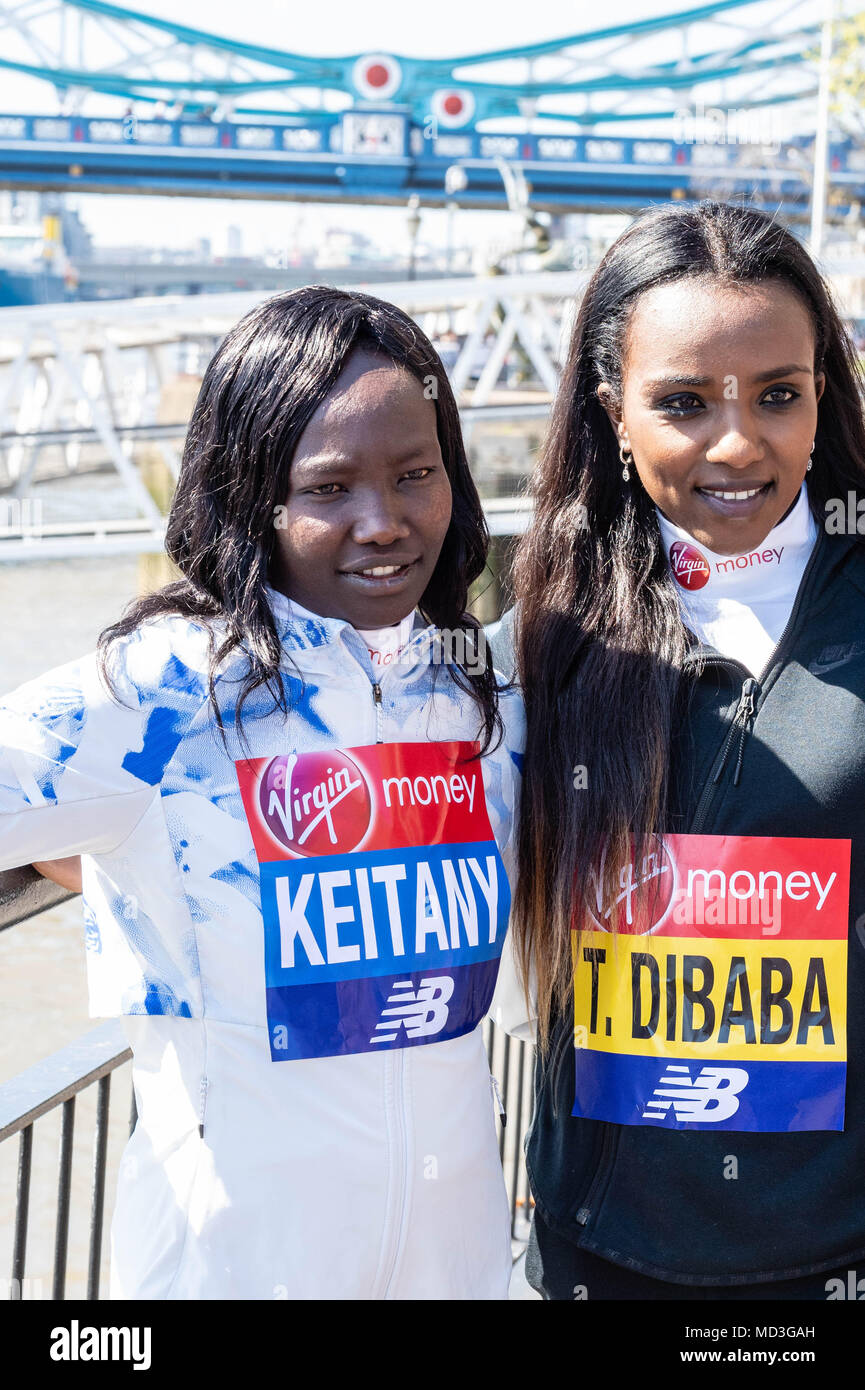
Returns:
(315, 803)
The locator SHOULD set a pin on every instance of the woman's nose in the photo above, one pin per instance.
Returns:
(738, 446)
(380, 521)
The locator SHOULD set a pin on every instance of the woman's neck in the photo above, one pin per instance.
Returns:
(298, 610)
(765, 570)
(662, 515)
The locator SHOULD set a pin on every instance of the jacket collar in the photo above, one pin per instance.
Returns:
(830, 553)
(311, 633)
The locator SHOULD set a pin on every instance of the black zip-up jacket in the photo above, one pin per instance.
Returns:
(657, 1200)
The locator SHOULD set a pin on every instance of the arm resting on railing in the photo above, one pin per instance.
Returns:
(66, 872)
(24, 893)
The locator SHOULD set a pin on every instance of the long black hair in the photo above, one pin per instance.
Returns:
(265, 381)
(600, 640)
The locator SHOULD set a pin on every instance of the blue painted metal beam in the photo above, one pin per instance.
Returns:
(233, 159)
(422, 77)
(186, 34)
(281, 57)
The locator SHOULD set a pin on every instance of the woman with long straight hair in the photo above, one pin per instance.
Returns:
(291, 774)
(690, 639)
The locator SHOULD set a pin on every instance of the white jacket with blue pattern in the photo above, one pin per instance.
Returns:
(302, 948)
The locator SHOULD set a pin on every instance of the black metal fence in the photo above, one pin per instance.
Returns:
(512, 1063)
(58, 1082)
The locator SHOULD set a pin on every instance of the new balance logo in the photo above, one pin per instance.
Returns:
(420, 1012)
(711, 1096)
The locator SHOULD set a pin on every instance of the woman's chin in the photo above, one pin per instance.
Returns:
(729, 527)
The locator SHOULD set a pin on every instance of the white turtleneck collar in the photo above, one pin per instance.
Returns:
(383, 643)
(740, 604)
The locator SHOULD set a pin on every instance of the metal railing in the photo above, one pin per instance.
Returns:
(511, 1062)
(56, 1082)
(59, 1080)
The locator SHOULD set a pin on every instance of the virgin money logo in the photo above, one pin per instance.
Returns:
(690, 567)
(639, 892)
(315, 803)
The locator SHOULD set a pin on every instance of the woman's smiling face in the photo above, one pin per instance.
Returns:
(719, 399)
(368, 490)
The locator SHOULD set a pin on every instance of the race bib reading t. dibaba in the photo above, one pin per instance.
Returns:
(720, 1002)
(384, 897)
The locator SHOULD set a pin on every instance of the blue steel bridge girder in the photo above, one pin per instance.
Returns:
(116, 52)
(303, 162)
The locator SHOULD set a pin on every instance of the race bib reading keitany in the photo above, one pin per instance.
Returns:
(384, 897)
(720, 1002)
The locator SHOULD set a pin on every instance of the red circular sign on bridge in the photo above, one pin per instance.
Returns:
(453, 106)
(377, 75)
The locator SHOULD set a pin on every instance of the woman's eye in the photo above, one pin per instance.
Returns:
(680, 405)
(322, 489)
(417, 473)
(685, 404)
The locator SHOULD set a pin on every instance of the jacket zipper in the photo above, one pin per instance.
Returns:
(745, 712)
(400, 1107)
(752, 689)
(745, 709)
(602, 1172)
(379, 717)
(500, 1105)
(397, 1061)
(202, 1104)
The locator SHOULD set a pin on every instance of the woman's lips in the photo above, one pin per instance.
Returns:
(739, 501)
(394, 577)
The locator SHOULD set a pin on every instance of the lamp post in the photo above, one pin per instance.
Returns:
(821, 143)
(517, 190)
(456, 181)
(413, 229)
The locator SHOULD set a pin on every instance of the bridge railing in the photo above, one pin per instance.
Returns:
(58, 1082)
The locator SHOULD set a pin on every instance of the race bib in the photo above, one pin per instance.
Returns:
(384, 898)
(721, 1001)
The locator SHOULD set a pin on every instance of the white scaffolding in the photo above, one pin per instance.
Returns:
(84, 377)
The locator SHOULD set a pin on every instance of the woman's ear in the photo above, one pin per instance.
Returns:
(607, 399)
(819, 383)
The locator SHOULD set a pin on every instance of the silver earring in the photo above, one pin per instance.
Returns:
(625, 460)
(810, 461)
